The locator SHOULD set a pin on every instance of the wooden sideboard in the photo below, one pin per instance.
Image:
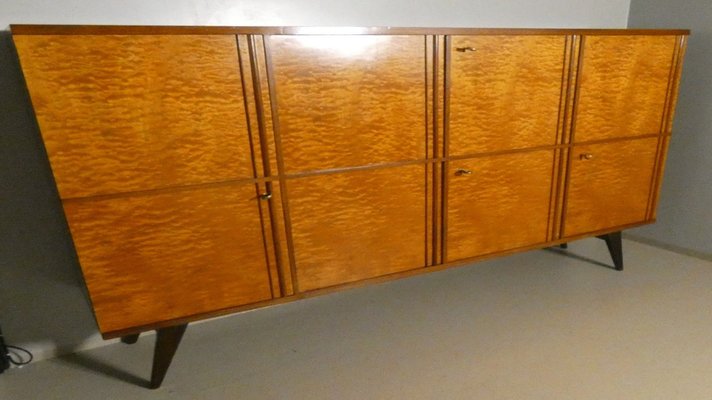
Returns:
(209, 170)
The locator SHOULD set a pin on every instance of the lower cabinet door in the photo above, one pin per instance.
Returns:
(609, 185)
(151, 258)
(497, 203)
(356, 225)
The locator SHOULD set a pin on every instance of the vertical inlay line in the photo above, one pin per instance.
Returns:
(259, 108)
(447, 59)
(280, 160)
(245, 96)
(572, 127)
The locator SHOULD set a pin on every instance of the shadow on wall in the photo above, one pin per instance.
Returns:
(43, 305)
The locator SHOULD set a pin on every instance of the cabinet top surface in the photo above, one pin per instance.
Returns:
(315, 30)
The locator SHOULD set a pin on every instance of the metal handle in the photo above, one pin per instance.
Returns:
(265, 196)
(465, 49)
(586, 156)
(461, 172)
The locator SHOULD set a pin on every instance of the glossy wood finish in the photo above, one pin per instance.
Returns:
(664, 141)
(163, 139)
(565, 137)
(623, 86)
(349, 100)
(29, 29)
(161, 257)
(348, 86)
(357, 225)
(128, 113)
(503, 204)
(610, 189)
(663, 147)
(505, 93)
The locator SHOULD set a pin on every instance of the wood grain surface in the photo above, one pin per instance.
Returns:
(129, 113)
(610, 189)
(503, 204)
(623, 83)
(161, 257)
(357, 225)
(566, 117)
(143, 109)
(349, 100)
(663, 147)
(505, 94)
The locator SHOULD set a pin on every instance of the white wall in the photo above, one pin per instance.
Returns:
(685, 210)
(483, 13)
(42, 304)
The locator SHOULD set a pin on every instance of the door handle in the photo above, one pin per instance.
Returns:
(462, 172)
(465, 49)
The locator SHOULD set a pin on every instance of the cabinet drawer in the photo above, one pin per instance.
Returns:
(609, 185)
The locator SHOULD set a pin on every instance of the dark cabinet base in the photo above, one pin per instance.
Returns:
(615, 247)
(167, 341)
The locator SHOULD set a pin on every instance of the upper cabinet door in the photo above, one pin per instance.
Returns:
(504, 92)
(136, 112)
(622, 86)
(349, 100)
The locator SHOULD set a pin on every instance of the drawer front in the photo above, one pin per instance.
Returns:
(130, 113)
(622, 86)
(357, 225)
(349, 100)
(609, 185)
(497, 203)
(504, 92)
(154, 258)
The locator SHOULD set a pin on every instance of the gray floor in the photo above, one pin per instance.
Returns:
(538, 325)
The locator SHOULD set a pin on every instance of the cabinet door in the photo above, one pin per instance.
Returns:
(609, 185)
(622, 86)
(497, 203)
(504, 92)
(349, 100)
(357, 225)
(123, 113)
(152, 258)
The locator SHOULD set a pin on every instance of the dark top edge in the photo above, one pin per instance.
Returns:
(314, 30)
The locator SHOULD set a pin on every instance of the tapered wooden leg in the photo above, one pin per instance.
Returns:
(130, 339)
(615, 247)
(167, 341)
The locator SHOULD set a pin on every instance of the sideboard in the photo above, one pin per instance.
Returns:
(209, 170)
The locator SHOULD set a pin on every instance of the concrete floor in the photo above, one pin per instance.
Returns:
(538, 325)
